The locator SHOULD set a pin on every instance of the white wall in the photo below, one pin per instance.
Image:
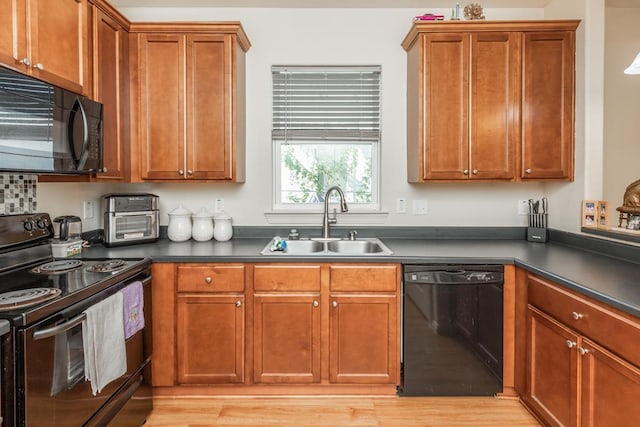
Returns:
(622, 111)
(350, 36)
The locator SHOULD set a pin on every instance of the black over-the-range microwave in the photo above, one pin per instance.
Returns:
(47, 129)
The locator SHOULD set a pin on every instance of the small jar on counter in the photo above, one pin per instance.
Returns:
(202, 229)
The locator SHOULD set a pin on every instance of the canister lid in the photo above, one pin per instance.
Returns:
(202, 214)
(221, 215)
(180, 211)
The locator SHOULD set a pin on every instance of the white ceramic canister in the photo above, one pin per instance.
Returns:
(222, 231)
(202, 229)
(179, 229)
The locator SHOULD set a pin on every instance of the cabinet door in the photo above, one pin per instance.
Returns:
(494, 129)
(161, 86)
(548, 105)
(446, 106)
(209, 106)
(210, 333)
(363, 345)
(610, 389)
(286, 339)
(110, 48)
(552, 366)
(13, 40)
(58, 42)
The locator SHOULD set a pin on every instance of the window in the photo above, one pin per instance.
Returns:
(326, 131)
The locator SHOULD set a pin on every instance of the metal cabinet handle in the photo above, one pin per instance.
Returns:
(570, 343)
(316, 303)
(528, 171)
(105, 170)
(208, 279)
(238, 303)
(576, 315)
(25, 61)
(189, 172)
(475, 172)
(582, 351)
(180, 172)
(466, 171)
(39, 66)
(334, 304)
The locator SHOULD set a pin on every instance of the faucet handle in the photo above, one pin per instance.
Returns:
(353, 234)
(333, 218)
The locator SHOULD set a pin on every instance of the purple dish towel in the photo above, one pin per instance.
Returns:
(133, 303)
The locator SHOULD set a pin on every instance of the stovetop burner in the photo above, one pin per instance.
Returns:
(26, 297)
(58, 267)
(108, 266)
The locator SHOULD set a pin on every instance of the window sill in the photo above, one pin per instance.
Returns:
(315, 218)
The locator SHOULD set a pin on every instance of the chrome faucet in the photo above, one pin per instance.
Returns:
(325, 219)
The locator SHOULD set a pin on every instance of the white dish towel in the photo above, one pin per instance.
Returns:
(103, 342)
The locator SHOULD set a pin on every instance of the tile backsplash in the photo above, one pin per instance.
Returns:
(17, 193)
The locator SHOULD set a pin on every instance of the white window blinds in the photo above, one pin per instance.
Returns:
(326, 103)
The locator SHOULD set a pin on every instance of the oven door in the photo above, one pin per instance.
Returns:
(56, 393)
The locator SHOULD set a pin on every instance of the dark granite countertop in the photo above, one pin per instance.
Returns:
(611, 280)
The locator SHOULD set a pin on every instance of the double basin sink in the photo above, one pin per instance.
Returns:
(329, 247)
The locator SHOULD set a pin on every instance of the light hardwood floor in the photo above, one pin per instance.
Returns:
(339, 411)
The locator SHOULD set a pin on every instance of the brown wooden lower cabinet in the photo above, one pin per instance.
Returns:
(286, 343)
(210, 335)
(572, 379)
(276, 326)
(363, 339)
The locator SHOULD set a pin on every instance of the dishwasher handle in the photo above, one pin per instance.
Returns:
(454, 277)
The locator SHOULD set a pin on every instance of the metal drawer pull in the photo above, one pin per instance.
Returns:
(528, 171)
(39, 66)
(570, 343)
(466, 171)
(577, 316)
(582, 351)
(238, 303)
(208, 279)
(475, 171)
(25, 61)
(334, 304)
(180, 172)
(316, 303)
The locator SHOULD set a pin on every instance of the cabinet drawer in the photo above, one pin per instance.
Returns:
(364, 278)
(618, 332)
(210, 278)
(286, 277)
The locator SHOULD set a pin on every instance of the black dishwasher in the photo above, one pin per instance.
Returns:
(452, 330)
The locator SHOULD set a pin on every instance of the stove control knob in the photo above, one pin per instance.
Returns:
(42, 223)
(29, 225)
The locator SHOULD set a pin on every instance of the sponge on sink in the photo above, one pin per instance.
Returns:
(278, 245)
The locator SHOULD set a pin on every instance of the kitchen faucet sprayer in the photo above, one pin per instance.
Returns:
(325, 218)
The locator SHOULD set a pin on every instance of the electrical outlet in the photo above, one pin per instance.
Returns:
(87, 206)
(420, 207)
(523, 207)
(401, 205)
(218, 206)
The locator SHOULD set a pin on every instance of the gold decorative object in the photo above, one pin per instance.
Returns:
(630, 203)
(473, 11)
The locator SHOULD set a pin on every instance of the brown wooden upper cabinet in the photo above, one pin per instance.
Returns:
(47, 39)
(111, 88)
(189, 101)
(490, 100)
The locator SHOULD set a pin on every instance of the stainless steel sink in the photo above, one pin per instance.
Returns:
(302, 246)
(330, 247)
(358, 247)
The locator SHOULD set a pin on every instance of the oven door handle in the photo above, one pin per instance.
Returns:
(58, 329)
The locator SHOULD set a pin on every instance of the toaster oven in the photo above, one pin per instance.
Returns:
(130, 219)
